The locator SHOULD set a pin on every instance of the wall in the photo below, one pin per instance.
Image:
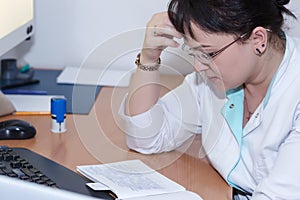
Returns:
(292, 25)
(67, 31)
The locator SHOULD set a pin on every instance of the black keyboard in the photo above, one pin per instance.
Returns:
(13, 165)
(29, 166)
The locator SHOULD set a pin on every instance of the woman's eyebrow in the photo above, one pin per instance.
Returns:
(201, 47)
(196, 47)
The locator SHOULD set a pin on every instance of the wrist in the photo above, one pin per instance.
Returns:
(149, 66)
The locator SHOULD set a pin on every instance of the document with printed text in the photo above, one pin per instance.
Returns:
(133, 179)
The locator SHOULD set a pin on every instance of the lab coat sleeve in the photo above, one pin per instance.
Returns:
(283, 182)
(168, 124)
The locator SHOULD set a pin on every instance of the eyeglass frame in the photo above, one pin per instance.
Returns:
(211, 55)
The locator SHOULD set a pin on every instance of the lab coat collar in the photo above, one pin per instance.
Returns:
(236, 97)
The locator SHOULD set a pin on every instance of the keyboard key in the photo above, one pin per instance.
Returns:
(2, 172)
(7, 157)
(7, 171)
(24, 178)
(18, 172)
(15, 164)
(2, 165)
(34, 170)
(28, 172)
(40, 181)
(50, 183)
(13, 175)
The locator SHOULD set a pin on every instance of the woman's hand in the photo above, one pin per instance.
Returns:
(144, 89)
(160, 34)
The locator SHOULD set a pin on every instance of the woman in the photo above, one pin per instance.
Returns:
(238, 46)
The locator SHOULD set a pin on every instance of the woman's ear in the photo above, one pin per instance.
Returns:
(260, 40)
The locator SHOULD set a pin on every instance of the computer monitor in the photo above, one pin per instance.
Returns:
(17, 19)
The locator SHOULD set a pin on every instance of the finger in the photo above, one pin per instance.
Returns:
(166, 42)
(166, 31)
(174, 32)
(161, 43)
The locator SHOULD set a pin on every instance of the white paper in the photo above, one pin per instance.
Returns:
(31, 103)
(130, 178)
(97, 186)
(91, 76)
(182, 195)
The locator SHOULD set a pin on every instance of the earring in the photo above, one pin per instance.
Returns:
(258, 51)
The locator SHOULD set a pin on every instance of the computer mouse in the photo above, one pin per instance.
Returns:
(15, 129)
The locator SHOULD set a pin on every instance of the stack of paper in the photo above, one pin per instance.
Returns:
(91, 76)
(37, 104)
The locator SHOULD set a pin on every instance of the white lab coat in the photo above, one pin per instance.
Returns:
(263, 160)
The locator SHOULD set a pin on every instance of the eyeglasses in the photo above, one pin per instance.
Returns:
(206, 58)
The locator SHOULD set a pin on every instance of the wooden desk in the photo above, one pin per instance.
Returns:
(98, 138)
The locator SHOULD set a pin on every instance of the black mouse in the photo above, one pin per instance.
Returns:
(15, 129)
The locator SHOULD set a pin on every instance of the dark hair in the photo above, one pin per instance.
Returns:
(232, 16)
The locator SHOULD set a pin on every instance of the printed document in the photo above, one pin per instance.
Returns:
(133, 179)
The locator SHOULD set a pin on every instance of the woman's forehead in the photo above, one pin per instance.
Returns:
(203, 38)
(199, 36)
